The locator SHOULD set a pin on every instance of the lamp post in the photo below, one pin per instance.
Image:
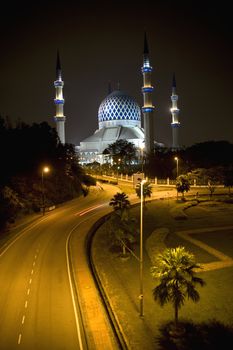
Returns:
(141, 251)
(142, 155)
(177, 167)
(44, 170)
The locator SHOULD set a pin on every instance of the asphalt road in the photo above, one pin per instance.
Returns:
(37, 302)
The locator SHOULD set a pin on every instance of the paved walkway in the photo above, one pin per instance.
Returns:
(225, 261)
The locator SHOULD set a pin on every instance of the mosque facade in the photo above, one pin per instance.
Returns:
(119, 117)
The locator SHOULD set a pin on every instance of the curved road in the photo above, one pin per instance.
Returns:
(37, 298)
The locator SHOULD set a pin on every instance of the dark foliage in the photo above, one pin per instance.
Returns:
(212, 335)
(24, 151)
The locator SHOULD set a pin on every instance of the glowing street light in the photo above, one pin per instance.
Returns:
(141, 251)
(118, 167)
(177, 167)
(44, 170)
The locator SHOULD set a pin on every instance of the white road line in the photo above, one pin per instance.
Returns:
(72, 292)
(26, 304)
(23, 319)
(28, 292)
(35, 256)
(20, 235)
(19, 338)
(32, 272)
(30, 281)
(34, 263)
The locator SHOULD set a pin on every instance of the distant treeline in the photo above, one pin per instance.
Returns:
(214, 156)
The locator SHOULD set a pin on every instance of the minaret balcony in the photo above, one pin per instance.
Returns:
(148, 109)
(174, 97)
(58, 101)
(146, 69)
(174, 110)
(59, 83)
(60, 119)
(175, 125)
(147, 89)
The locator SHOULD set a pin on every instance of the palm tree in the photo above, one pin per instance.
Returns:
(147, 191)
(121, 224)
(175, 271)
(120, 202)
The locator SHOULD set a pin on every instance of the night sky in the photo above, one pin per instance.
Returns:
(102, 41)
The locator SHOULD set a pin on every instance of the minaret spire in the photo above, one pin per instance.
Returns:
(147, 90)
(175, 124)
(59, 102)
(58, 67)
(146, 48)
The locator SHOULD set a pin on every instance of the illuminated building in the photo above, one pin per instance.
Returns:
(119, 117)
(175, 124)
(148, 108)
(59, 102)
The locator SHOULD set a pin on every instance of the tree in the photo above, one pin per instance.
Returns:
(211, 188)
(123, 150)
(147, 191)
(228, 178)
(120, 202)
(182, 184)
(175, 271)
(121, 224)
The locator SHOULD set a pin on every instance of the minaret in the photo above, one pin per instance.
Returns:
(175, 124)
(59, 102)
(148, 108)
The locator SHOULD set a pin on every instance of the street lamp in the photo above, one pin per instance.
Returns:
(141, 251)
(177, 168)
(118, 167)
(44, 170)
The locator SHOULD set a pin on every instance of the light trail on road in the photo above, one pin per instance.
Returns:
(88, 210)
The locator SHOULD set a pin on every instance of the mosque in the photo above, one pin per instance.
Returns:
(119, 117)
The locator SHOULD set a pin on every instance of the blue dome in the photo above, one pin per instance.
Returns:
(118, 108)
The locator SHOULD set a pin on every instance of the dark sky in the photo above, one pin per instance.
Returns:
(102, 41)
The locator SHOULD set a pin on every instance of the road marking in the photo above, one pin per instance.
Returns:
(32, 272)
(30, 281)
(21, 235)
(34, 263)
(23, 319)
(19, 339)
(35, 256)
(26, 304)
(72, 290)
(28, 292)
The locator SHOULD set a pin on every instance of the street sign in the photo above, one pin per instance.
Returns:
(137, 178)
